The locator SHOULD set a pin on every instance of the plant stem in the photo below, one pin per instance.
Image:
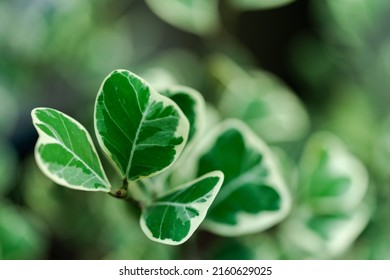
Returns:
(121, 192)
(135, 192)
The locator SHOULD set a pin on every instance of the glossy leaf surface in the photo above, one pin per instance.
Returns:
(173, 218)
(254, 195)
(142, 131)
(191, 103)
(65, 152)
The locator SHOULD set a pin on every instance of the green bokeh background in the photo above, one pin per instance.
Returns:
(288, 71)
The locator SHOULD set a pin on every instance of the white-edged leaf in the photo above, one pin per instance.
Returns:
(324, 236)
(254, 195)
(141, 131)
(173, 218)
(65, 152)
(332, 178)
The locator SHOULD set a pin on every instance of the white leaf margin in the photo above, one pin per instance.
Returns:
(247, 223)
(202, 207)
(182, 127)
(296, 233)
(343, 163)
(46, 139)
(199, 108)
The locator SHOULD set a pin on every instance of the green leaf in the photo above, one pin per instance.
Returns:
(65, 152)
(8, 111)
(21, 235)
(254, 196)
(192, 104)
(195, 16)
(332, 179)
(325, 236)
(258, 4)
(8, 165)
(173, 218)
(142, 131)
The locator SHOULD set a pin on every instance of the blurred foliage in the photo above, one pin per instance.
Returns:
(335, 78)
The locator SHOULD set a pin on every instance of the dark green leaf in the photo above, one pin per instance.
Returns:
(142, 131)
(253, 196)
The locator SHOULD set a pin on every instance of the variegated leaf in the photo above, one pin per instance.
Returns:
(253, 196)
(142, 131)
(65, 152)
(173, 218)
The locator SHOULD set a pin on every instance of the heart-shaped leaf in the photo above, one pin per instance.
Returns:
(191, 103)
(332, 179)
(65, 152)
(142, 131)
(173, 218)
(254, 196)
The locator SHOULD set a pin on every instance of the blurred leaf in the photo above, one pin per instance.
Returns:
(332, 179)
(312, 63)
(264, 246)
(261, 100)
(258, 4)
(118, 221)
(232, 249)
(173, 218)
(382, 149)
(288, 168)
(174, 66)
(8, 164)
(107, 48)
(325, 236)
(142, 131)
(352, 124)
(351, 21)
(65, 152)
(195, 16)
(8, 111)
(20, 234)
(82, 235)
(253, 196)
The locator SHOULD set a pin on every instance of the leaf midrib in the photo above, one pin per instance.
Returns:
(133, 148)
(73, 153)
